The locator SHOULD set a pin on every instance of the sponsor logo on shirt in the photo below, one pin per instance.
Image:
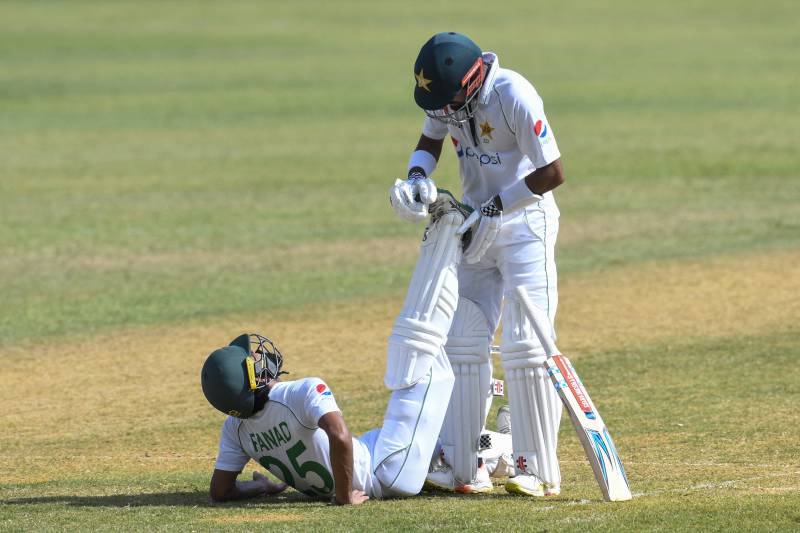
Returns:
(459, 150)
(540, 129)
(321, 390)
(483, 159)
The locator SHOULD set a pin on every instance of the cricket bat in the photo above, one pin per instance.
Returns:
(591, 429)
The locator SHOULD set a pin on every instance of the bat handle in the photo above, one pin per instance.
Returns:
(540, 322)
(469, 222)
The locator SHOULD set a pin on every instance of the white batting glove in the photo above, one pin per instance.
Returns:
(423, 187)
(489, 218)
(410, 198)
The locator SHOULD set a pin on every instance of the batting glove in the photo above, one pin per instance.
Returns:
(489, 219)
(410, 198)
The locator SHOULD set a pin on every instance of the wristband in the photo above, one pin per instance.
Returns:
(517, 196)
(424, 160)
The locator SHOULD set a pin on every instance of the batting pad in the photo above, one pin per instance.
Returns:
(468, 349)
(407, 440)
(421, 329)
(535, 405)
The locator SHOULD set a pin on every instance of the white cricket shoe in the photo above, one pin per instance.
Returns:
(530, 485)
(440, 477)
(480, 485)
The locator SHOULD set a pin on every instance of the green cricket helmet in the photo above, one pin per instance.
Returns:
(446, 65)
(232, 375)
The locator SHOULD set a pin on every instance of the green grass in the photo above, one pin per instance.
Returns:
(147, 128)
(168, 164)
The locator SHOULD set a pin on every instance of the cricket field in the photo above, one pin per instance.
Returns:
(175, 173)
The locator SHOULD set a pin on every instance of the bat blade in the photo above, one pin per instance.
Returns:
(592, 431)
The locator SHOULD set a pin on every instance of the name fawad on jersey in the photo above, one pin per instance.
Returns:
(266, 440)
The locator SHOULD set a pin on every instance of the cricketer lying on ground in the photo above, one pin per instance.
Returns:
(284, 436)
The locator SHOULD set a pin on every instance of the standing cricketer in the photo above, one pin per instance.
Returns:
(509, 164)
(295, 429)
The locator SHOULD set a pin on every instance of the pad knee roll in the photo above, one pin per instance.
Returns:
(421, 329)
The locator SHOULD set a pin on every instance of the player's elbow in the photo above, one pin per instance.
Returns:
(340, 435)
(556, 174)
(218, 495)
(335, 428)
(223, 486)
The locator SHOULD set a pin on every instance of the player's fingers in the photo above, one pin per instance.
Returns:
(394, 194)
(407, 192)
(433, 194)
(275, 488)
(427, 191)
(418, 211)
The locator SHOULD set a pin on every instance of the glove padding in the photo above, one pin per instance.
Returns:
(410, 198)
(489, 219)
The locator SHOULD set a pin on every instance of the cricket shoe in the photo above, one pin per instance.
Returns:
(441, 478)
(530, 485)
(480, 485)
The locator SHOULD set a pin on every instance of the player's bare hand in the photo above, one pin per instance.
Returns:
(270, 487)
(357, 497)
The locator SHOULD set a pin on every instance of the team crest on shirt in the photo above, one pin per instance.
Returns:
(486, 131)
(321, 389)
(540, 129)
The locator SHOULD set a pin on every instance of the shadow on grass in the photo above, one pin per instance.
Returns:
(201, 499)
(156, 499)
(501, 495)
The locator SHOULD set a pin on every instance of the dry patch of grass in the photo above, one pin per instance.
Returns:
(255, 518)
(130, 401)
(728, 295)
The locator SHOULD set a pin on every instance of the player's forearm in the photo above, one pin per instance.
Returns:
(546, 178)
(432, 146)
(342, 465)
(241, 490)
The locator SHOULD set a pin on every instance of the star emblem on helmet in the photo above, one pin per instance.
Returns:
(422, 81)
(486, 129)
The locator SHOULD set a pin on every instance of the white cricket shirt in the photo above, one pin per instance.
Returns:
(512, 136)
(285, 439)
